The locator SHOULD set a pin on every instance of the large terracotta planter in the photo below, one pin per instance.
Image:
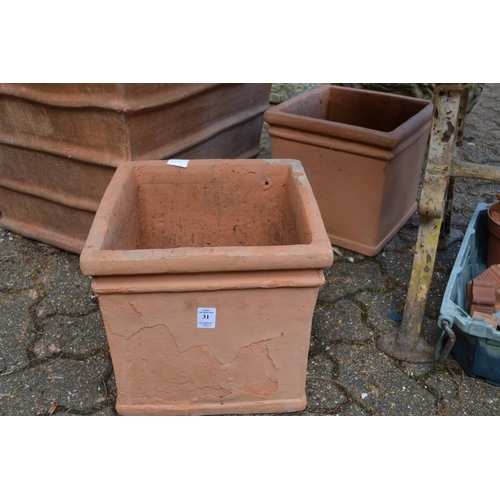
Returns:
(207, 278)
(61, 143)
(363, 153)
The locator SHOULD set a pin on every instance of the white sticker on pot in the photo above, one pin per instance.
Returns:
(206, 317)
(178, 163)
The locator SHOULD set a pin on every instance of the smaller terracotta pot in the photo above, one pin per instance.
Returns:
(494, 234)
(363, 154)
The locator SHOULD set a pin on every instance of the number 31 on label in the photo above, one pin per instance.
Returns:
(206, 317)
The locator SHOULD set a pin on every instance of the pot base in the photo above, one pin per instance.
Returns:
(375, 249)
(43, 220)
(241, 408)
(43, 235)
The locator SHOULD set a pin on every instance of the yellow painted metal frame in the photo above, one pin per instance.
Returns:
(450, 102)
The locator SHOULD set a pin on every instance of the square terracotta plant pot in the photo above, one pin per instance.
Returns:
(363, 153)
(61, 143)
(207, 278)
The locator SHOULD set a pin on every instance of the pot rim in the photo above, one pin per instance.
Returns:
(97, 261)
(279, 116)
(111, 96)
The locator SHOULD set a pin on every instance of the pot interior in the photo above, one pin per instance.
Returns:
(371, 110)
(208, 205)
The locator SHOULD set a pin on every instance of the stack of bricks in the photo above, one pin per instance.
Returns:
(483, 293)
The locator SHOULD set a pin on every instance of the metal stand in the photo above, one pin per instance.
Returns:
(450, 102)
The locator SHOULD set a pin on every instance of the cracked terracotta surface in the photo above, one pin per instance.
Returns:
(363, 153)
(243, 238)
(61, 143)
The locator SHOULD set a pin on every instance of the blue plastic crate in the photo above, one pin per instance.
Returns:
(477, 346)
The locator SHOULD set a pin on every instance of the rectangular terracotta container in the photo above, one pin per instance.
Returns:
(241, 241)
(363, 152)
(61, 143)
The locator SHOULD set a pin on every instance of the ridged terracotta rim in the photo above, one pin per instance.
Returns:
(96, 261)
(98, 98)
(281, 116)
(83, 154)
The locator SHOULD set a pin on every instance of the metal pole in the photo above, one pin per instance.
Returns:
(407, 344)
(446, 237)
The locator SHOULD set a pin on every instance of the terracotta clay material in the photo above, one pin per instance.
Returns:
(61, 143)
(238, 241)
(363, 153)
(483, 292)
(493, 256)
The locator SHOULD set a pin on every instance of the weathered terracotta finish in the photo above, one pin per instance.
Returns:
(48, 197)
(117, 96)
(244, 237)
(363, 153)
(60, 143)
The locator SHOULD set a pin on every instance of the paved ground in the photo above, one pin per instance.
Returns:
(54, 358)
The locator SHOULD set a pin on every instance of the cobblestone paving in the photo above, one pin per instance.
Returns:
(54, 358)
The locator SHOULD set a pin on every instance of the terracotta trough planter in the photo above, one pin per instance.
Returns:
(363, 153)
(207, 278)
(61, 143)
